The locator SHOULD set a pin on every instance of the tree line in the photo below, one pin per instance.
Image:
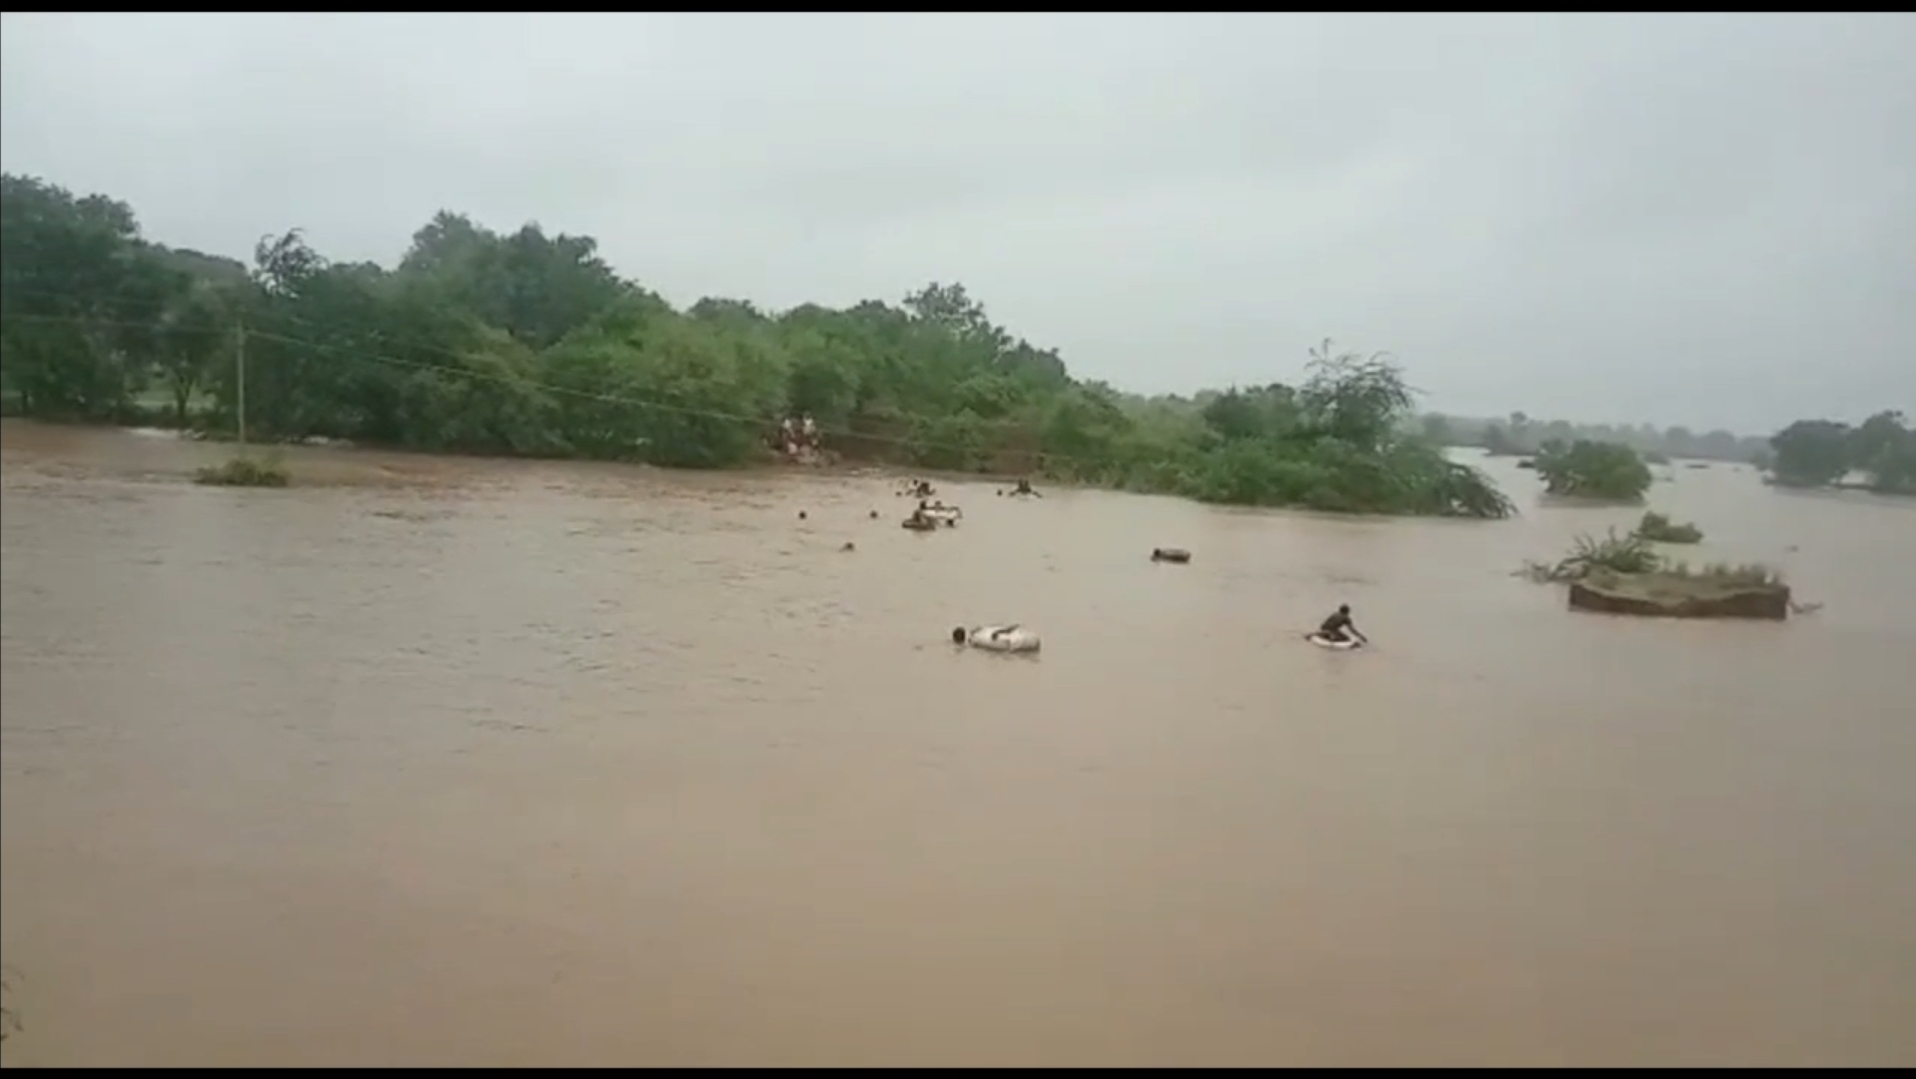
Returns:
(1881, 450)
(528, 343)
(1820, 453)
(1520, 434)
(1808, 453)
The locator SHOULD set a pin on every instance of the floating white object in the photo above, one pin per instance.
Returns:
(1002, 639)
(1322, 641)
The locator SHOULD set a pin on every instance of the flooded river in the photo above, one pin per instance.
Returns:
(431, 761)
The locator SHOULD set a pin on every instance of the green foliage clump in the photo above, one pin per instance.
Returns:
(1596, 470)
(1658, 528)
(1612, 553)
(244, 472)
(528, 343)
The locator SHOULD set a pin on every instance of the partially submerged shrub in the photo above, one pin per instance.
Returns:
(1657, 528)
(1631, 555)
(1612, 553)
(1606, 471)
(244, 472)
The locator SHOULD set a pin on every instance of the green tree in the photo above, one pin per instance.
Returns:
(1884, 449)
(1597, 470)
(1497, 442)
(1234, 415)
(1353, 398)
(192, 333)
(1811, 453)
(78, 295)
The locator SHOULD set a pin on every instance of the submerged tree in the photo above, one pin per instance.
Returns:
(1598, 470)
(1816, 453)
(1811, 453)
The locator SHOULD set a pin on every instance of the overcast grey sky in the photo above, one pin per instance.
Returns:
(1707, 220)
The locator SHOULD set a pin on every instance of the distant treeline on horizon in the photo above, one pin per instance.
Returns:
(1519, 434)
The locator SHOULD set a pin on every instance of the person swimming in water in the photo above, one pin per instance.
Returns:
(961, 635)
(1338, 627)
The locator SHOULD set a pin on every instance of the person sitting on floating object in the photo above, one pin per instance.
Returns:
(961, 635)
(1338, 627)
(1024, 488)
(1010, 638)
(995, 637)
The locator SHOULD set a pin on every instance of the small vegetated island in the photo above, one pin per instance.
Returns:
(1657, 528)
(1625, 575)
(1594, 471)
(529, 344)
(245, 471)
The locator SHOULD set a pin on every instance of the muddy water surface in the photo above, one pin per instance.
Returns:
(430, 761)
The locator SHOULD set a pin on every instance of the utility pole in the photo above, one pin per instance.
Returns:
(240, 363)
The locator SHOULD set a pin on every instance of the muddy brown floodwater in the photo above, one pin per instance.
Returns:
(431, 761)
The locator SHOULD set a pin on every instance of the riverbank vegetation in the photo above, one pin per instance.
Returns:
(1601, 471)
(1658, 528)
(1519, 435)
(527, 343)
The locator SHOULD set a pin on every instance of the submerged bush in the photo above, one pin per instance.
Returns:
(244, 472)
(1612, 553)
(1599, 470)
(1657, 528)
